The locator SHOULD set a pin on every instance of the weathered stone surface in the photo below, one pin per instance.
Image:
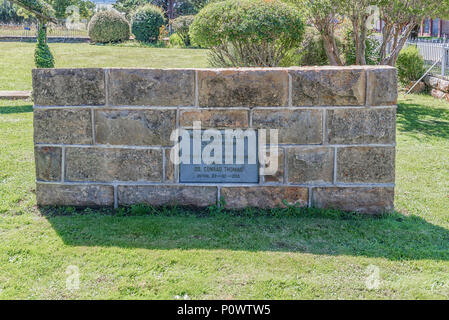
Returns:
(68, 87)
(365, 164)
(431, 81)
(382, 86)
(215, 118)
(356, 126)
(420, 87)
(74, 195)
(362, 200)
(169, 167)
(439, 94)
(328, 86)
(278, 176)
(443, 85)
(48, 163)
(243, 87)
(198, 196)
(152, 87)
(134, 127)
(263, 197)
(68, 126)
(295, 126)
(113, 164)
(310, 165)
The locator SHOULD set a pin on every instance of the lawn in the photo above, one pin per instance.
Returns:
(16, 59)
(177, 253)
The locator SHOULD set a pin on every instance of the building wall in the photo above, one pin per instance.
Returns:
(102, 136)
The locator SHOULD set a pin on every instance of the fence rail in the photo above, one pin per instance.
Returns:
(434, 52)
(20, 30)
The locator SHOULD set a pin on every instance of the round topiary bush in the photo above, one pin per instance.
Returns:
(146, 22)
(248, 33)
(181, 25)
(108, 26)
(410, 65)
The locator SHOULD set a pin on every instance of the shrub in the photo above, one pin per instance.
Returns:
(176, 41)
(42, 56)
(247, 32)
(146, 22)
(372, 54)
(181, 26)
(410, 65)
(310, 53)
(108, 26)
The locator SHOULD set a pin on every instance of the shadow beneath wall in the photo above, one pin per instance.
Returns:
(430, 121)
(16, 109)
(394, 237)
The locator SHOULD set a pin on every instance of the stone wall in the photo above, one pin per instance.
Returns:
(102, 136)
(438, 88)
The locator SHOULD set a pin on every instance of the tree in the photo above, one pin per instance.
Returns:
(399, 18)
(44, 14)
(172, 8)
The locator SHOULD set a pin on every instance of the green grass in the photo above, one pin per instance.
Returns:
(16, 59)
(170, 254)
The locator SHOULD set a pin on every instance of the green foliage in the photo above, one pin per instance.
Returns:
(40, 8)
(108, 26)
(86, 8)
(372, 54)
(410, 65)
(176, 41)
(43, 57)
(311, 53)
(181, 26)
(248, 32)
(177, 7)
(146, 22)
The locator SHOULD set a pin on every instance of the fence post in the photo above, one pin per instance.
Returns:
(444, 61)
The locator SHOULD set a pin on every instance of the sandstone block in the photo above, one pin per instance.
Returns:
(215, 118)
(242, 87)
(68, 87)
(357, 126)
(68, 126)
(310, 165)
(48, 163)
(295, 126)
(74, 195)
(366, 164)
(328, 86)
(382, 87)
(263, 197)
(134, 127)
(362, 200)
(113, 164)
(151, 87)
(198, 196)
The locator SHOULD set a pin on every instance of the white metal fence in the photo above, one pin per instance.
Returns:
(20, 30)
(434, 53)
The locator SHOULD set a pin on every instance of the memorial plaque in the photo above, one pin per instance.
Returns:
(227, 171)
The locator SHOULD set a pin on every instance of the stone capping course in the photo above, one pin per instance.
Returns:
(96, 129)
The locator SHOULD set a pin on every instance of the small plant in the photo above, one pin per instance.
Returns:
(372, 54)
(410, 65)
(108, 26)
(247, 33)
(146, 23)
(181, 26)
(43, 58)
(217, 209)
(176, 41)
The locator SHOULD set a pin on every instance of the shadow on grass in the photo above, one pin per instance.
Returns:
(16, 109)
(428, 120)
(394, 237)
